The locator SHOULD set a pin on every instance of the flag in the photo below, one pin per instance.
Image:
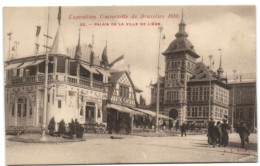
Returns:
(117, 62)
(59, 15)
(104, 56)
(163, 37)
(10, 35)
(38, 30)
(13, 48)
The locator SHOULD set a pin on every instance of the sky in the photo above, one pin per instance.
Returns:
(231, 28)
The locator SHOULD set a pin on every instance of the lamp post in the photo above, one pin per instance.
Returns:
(158, 80)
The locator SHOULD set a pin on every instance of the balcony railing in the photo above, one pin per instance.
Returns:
(70, 79)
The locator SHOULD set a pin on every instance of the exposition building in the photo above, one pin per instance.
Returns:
(185, 88)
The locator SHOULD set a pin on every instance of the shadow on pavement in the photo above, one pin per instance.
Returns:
(252, 146)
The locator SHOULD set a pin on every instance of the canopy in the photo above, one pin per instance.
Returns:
(103, 72)
(38, 61)
(12, 66)
(92, 70)
(25, 64)
(123, 109)
(152, 113)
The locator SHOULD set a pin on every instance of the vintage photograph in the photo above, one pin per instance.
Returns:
(130, 84)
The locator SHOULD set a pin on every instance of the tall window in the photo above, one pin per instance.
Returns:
(124, 91)
(19, 110)
(13, 109)
(61, 64)
(30, 110)
(73, 69)
(24, 109)
(59, 103)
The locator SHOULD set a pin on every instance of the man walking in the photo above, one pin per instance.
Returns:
(224, 128)
(219, 134)
(183, 129)
(243, 133)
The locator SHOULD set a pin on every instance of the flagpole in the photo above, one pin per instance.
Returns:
(233, 102)
(158, 81)
(210, 57)
(45, 83)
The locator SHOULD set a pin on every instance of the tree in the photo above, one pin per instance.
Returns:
(51, 126)
(72, 127)
(62, 128)
(79, 129)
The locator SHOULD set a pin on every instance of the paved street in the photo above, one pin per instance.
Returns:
(131, 149)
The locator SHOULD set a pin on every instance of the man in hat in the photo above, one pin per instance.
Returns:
(243, 133)
(224, 128)
(219, 133)
(212, 133)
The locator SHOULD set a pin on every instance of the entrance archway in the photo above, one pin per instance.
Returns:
(173, 114)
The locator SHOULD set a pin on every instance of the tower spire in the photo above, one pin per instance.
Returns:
(78, 49)
(220, 70)
(182, 26)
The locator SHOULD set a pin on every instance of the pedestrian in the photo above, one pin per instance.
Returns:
(164, 125)
(192, 126)
(219, 133)
(212, 133)
(243, 133)
(177, 125)
(224, 128)
(183, 129)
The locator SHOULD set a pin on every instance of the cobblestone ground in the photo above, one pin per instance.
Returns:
(131, 149)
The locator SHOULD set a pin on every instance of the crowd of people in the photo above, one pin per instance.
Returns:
(218, 134)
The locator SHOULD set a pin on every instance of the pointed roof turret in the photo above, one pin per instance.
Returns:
(181, 43)
(104, 59)
(78, 49)
(58, 46)
(182, 26)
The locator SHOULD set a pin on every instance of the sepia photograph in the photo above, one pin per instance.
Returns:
(130, 84)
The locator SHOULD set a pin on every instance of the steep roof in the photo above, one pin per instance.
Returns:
(201, 73)
(58, 46)
(85, 54)
(180, 44)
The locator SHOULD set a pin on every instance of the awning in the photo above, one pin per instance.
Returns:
(123, 109)
(38, 61)
(103, 72)
(12, 66)
(25, 64)
(92, 70)
(152, 113)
